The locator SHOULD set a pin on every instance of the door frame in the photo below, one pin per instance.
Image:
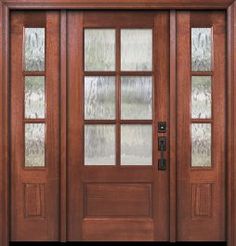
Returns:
(7, 5)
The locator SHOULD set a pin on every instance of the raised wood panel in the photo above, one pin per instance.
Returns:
(34, 200)
(118, 229)
(201, 200)
(118, 200)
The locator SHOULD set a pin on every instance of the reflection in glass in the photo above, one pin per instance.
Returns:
(34, 145)
(201, 97)
(136, 145)
(136, 49)
(34, 49)
(99, 49)
(201, 145)
(34, 97)
(99, 144)
(99, 97)
(201, 49)
(136, 97)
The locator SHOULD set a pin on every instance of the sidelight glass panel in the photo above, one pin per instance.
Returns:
(201, 49)
(201, 97)
(99, 49)
(99, 97)
(136, 49)
(34, 97)
(34, 40)
(201, 145)
(99, 144)
(34, 145)
(136, 97)
(136, 145)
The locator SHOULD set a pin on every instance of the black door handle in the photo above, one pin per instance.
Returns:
(162, 142)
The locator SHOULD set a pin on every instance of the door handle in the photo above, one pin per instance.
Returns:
(162, 142)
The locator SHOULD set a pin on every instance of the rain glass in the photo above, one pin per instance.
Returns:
(34, 145)
(136, 49)
(99, 49)
(201, 145)
(99, 145)
(136, 145)
(136, 97)
(201, 49)
(201, 97)
(34, 97)
(34, 49)
(99, 97)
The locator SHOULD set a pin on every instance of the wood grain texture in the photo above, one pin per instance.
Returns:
(190, 229)
(80, 175)
(118, 200)
(173, 125)
(122, 4)
(30, 201)
(4, 126)
(63, 126)
(118, 229)
(231, 110)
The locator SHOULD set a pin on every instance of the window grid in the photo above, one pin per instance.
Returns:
(118, 73)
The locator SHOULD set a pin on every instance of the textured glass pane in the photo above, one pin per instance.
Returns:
(34, 145)
(136, 49)
(34, 49)
(136, 145)
(201, 97)
(201, 145)
(136, 97)
(99, 49)
(99, 97)
(99, 145)
(201, 49)
(34, 97)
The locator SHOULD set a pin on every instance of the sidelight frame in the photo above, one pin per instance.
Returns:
(5, 8)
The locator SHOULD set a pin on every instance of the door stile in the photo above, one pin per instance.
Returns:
(63, 125)
(4, 125)
(173, 129)
(161, 97)
(75, 123)
(231, 102)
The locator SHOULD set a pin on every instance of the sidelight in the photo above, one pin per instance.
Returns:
(201, 145)
(34, 145)
(34, 39)
(201, 49)
(201, 97)
(34, 97)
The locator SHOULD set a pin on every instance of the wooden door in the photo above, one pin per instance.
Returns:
(201, 111)
(118, 65)
(112, 131)
(34, 126)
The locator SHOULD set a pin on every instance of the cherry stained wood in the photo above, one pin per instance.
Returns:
(35, 191)
(201, 191)
(122, 4)
(85, 221)
(231, 174)
(4, 124)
